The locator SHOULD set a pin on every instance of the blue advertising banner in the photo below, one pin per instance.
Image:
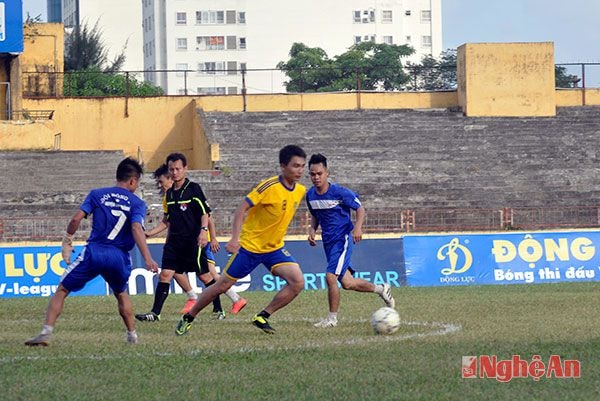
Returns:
(502, 258)
(35, 271)
(11, 26)
(375, 260)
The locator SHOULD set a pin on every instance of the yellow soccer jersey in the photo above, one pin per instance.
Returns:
(273, 206)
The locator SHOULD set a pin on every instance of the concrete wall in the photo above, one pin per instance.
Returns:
(27, 135)
(507, 79)
(577, 97)
(44, 52)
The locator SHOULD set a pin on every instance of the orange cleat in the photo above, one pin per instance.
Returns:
(188, 305)
(238, 306)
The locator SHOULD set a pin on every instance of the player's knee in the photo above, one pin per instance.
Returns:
(296, 283)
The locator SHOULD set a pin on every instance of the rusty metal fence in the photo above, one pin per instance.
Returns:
(390, 221)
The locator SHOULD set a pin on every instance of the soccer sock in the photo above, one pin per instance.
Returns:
(378, 289)
(233, 295)
(160, 296)
(264, 314)
(217, 301)
(192, 294)
(332, 316)
(188, 318)
(47, 329)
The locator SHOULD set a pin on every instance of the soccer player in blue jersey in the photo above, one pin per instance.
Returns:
(330, 207)
(118, 218)
(259, 225)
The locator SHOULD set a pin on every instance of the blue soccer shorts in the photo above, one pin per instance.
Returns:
(112, 263)
(244, 262)
(338, 255)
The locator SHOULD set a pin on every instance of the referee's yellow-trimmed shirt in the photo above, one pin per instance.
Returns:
(273, 206)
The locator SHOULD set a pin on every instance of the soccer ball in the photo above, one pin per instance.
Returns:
(385, 321)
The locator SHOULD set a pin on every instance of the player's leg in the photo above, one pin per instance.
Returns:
(206, 277)
(126, 312)
(282, 264)
(184, 282)
(356, 284)
(338, 255)
(333, 298)
(238, 302)
(75, 277)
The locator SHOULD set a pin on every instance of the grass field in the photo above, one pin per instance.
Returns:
(231, 360)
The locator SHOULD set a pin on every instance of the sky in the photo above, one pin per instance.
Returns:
(572, 25)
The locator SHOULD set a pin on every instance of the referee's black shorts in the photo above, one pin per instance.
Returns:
(184, 256)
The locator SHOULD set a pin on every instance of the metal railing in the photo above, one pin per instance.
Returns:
(393, 221)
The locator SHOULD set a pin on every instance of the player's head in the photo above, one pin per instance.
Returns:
(177, 165)
(129, 172)
(162, 177)
(292, 160)
(318, 171)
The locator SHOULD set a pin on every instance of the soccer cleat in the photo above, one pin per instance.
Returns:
(188, 305)
(238, 306)
(148, 317)
(218, 315)
(41, 340)
(132, 338)
(262, 323)
(183, 326)
(327, 322)
(387, 297)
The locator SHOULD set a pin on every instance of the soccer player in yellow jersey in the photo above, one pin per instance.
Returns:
(257, 237)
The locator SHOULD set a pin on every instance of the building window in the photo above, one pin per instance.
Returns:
(210, 42)
(425, 15)
(181, 91)
(426, 41)
(242, 17)
(210, 17)
(181, 67)
(388, 40)
(356, 16)
(243, 67)
(357, 39)
(212, 90)
(212, 67)
(407, 13)
(181, 19)
(386, 16)
(181, 43)
(242, 43)
(408, 38)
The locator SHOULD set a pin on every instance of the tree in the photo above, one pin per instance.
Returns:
(433, 74)
(374, 65)
(563, 79)
(89, 73)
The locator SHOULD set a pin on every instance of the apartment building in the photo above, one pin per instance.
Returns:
(209, 42)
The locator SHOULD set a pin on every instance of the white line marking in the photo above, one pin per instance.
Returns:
(439, 329)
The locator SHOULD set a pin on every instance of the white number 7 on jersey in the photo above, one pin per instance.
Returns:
(120, 223)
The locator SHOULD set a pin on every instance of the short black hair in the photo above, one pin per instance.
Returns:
(161, 170)
(173, 157)
(127, 169)
(318, 158)
(287, 152)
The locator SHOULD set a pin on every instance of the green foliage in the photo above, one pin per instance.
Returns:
(434, 74)
(564, 79)
(374, 65)
(85, 49)
(94, 82)
(88, 358)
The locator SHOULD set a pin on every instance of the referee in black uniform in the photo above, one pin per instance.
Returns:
(186, 213)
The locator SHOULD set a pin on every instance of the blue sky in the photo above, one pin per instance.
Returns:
(572, 25)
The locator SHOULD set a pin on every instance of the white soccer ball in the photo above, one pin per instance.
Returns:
(385, 320)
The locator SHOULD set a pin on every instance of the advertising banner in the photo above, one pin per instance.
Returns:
(502, 258)
(36, 270)
(11, 26)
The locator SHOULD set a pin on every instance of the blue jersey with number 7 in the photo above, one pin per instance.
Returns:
(113, 209)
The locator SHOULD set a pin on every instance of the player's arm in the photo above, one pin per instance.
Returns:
(233, 246)
(67, 242)
(360, 218)
(203, 236)
(312, 230)
(214, 243)
(140, 240)
(162, 226)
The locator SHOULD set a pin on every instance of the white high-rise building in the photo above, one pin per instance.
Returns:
(119, 21)
(214, 39)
